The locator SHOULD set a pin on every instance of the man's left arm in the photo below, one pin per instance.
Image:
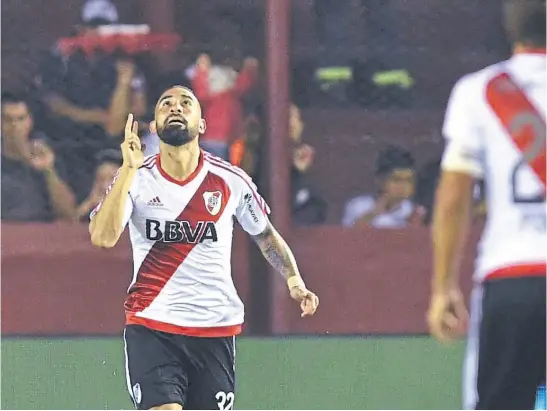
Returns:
(451, 217)
(278, 253)
(461, 165)
(252, 214)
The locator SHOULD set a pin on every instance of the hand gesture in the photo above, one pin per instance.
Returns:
(132, 151)
(417, 217)
(381, 205)
(203, 62)
(308, 300)
(42, 157)
(447, 316)
(303, 157)
(250, 63)
(126, 71)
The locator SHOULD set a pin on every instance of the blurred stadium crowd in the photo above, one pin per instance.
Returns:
(369, 84)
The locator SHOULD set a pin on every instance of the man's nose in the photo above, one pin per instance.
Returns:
(177, 108)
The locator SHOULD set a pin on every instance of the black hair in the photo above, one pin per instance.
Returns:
(179, 86)
(164, 88)
(13, 98)
(525, 21)
(393, 158)
(96, 22)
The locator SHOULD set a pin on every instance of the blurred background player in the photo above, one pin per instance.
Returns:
(182, 309)
(495, 129)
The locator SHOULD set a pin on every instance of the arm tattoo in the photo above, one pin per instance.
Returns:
(277, 252)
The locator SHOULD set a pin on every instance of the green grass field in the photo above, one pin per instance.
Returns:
(273, 373)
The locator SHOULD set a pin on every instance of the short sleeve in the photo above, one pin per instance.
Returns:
(461, 129)
(355, 209)
(128, 209)
(252, 210)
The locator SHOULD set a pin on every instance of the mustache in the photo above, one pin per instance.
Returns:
(172, 118)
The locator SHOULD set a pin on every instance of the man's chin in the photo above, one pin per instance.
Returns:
(175, 136)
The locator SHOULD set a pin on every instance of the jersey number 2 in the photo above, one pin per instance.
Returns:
(525, 120)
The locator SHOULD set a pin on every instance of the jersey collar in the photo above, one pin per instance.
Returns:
(191, 177)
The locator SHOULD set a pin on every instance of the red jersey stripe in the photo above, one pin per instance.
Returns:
(227, 331)
(521, 120)
(164, 258)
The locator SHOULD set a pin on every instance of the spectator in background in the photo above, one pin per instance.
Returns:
(108, 163)
(392, 206)
(89, 97)
(308, 207)
(220, 89)
(32, 187)
(244, 151)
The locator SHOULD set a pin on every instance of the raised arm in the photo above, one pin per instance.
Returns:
(109, 218)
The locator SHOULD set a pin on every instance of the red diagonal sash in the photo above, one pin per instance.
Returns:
(521, 120)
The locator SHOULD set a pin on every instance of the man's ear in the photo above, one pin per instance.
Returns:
(202, 126)
(153, 128)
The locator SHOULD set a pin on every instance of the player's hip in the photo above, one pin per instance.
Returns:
(503, 262)
(186, 324)
(189, 307)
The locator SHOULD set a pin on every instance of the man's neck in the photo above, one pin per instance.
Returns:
(179, 162)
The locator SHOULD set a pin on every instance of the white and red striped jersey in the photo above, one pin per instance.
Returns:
(495, 129)
(181, 235)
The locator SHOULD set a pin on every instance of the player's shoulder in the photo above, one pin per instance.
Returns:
(473, 85)
(144, 172)
(148, 164)
(233, 175)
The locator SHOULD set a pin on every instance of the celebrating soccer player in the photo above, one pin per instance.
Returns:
(182, 309)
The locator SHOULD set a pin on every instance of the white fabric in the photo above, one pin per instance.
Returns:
(471, 360)
(359, 206)
(479, 145)
(99, 9)
(201, 292)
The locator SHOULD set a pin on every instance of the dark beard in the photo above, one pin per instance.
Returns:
(175, 135)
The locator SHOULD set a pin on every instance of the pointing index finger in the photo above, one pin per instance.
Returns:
(128, 125)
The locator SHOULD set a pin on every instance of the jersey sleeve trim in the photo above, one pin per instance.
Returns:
(456, 159)
(98, 206)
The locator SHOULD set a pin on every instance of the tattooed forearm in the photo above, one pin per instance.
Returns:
(277, 252)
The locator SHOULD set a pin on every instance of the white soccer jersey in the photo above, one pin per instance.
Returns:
(495, 129)
(181, 235)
